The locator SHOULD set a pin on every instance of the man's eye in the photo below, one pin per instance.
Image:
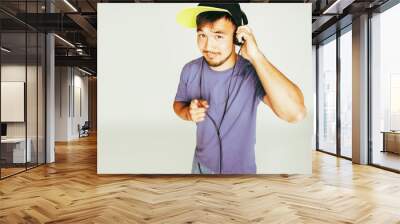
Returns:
(219, 37)
(202, 35)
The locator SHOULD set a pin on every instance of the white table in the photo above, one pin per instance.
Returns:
(19, 149)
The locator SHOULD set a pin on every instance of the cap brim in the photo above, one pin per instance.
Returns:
(187, 17)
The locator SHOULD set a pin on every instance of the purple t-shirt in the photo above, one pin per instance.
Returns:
(238, 129)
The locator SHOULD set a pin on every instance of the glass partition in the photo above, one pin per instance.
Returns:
(14, 153)
(22, 77)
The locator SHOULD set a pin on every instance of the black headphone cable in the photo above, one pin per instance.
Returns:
(217, 128)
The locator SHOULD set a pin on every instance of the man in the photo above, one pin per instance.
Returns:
(221, 90)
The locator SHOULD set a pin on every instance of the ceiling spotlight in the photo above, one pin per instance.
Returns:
(337, 7)
(5, 50)
(64, 40)
(70, 5)
(84, 71)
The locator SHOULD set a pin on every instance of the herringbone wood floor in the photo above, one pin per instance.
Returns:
(70, 191)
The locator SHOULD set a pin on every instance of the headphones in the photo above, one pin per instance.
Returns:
(243, 22)
(217, 127)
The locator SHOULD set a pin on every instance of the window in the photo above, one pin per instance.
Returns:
(394, 102)
(346, 94)
(385, 88)
(327, 96)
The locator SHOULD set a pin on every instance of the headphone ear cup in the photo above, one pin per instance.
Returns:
(243, 22)
(244, 19)
(235, 39)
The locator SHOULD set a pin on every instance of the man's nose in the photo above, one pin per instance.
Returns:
(209, 45)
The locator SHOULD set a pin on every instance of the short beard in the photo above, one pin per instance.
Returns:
(216, 64)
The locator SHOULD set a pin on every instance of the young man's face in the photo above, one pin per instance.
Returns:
(215, 41)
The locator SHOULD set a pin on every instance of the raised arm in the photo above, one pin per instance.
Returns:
(282, 95)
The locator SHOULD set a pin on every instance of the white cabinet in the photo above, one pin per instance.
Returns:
(17, 146)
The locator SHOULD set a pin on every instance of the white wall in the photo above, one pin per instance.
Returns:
(67, 84)
(61, 103)
(139, 62)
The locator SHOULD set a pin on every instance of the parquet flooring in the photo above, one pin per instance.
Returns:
(70, 191)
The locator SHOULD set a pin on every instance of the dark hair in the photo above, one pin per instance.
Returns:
(212, 16)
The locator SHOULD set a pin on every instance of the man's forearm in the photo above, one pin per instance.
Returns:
(182, 110)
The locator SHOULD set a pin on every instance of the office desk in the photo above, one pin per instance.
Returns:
(391, 141)
(15, 148)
